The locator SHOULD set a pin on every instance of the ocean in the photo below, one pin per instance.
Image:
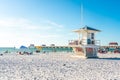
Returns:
(42, 50)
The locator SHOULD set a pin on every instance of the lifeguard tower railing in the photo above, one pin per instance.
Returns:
(83, 42)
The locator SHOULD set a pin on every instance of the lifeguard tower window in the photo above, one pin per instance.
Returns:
(93, 42)
(92, 35)
(88, 41)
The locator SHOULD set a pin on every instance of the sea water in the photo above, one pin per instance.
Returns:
(42, 50)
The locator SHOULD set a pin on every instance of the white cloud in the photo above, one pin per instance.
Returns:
(21, 31)
(25, 24)
(13, 22)
(54, 24)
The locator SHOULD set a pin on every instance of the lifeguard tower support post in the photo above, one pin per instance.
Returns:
(86, 45)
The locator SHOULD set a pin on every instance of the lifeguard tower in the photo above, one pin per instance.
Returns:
(86, 45)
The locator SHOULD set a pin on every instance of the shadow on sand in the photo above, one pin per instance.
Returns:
(114, 58)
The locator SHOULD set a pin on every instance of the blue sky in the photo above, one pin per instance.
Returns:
(23, 22)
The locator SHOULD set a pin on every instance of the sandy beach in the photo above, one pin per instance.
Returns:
(59, 67)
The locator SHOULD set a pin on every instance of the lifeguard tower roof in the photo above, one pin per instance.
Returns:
(87, 28)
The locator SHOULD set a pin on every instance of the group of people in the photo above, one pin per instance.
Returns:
(106, 50)
(25, 53)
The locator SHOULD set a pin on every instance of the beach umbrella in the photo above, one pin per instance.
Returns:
(23, 47)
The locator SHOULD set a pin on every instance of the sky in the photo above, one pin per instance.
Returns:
(25, 22)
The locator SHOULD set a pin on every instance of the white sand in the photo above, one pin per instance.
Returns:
(59, 67)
